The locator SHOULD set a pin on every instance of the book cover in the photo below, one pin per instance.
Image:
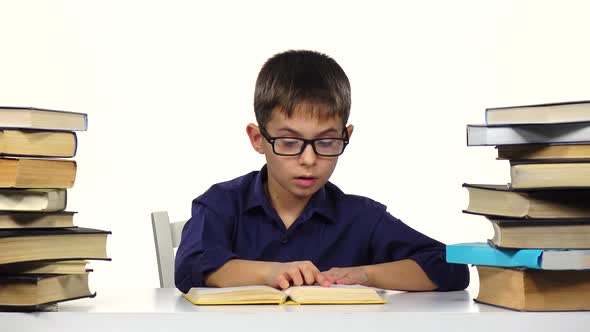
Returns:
(479, 253)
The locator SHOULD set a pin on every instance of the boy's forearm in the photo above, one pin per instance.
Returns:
(239, 272)
(400, 275)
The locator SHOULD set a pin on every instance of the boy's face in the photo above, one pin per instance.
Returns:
(300, 176)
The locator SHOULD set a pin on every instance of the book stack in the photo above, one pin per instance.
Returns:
(537, 259)
(42, 253)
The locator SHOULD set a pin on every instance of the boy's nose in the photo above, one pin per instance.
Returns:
(308, 156)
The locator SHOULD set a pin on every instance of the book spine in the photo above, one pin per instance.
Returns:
(75, 144)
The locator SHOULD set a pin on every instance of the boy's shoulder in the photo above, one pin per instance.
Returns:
(229, 190)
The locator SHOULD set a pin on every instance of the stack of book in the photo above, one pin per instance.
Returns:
(537, 259)
(42, 253)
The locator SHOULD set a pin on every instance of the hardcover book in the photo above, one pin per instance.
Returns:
(33, 290)
(544, 151)
(38, 118)
(37, 173)
(45, 267)
(565, 112)
(550, 174)
(541, 233)
(38, 143)
(52, 244)
(36, 220)
(33, 200)
(479, 253)
(534, 290)
(502, 200)
(482, 135)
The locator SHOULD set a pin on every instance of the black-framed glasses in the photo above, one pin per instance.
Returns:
(292, 146)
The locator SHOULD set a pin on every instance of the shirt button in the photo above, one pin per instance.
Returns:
(283, 241)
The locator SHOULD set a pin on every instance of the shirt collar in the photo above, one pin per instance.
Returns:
(318, 204)
(257, 195)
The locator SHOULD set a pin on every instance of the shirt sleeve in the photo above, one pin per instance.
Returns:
(204, 247)
(392, 240)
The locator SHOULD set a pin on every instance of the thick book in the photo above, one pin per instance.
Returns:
(38, 143)
(37, 173)
(502, 200)
(550, 174)
(482, 135)
(336, 294)
(32, 200)
(33, 290)
(564, 112)
(479, 253)
(36, 220)
(534, 290)
(39, 118)
(52, 244)
(45, 267)
(541, 233)
(543, 152)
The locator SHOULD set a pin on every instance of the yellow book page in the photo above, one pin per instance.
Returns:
(235, 295)
(336, 294)
(296, 295)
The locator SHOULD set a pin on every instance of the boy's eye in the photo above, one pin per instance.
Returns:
(289, 143)
(325, 143)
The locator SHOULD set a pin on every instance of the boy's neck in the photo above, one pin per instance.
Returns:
(289, 207)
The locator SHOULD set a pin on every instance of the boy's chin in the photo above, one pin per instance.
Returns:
(304, 192)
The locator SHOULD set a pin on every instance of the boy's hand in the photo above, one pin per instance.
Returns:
(348, 275)
(283, 275)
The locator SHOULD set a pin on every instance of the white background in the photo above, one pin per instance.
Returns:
(168, 87)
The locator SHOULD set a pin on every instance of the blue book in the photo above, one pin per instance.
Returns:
(479, 253)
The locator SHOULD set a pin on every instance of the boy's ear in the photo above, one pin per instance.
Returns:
(255, 137)
(349, 129)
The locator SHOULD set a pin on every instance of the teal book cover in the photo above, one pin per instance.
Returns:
(479, 253)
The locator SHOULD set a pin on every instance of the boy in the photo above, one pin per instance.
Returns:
(286, 224)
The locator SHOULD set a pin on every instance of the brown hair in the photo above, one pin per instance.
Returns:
(294, 77)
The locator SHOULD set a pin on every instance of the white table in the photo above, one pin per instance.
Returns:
(165, 310)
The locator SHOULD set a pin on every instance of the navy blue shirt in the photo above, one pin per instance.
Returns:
(234, 219)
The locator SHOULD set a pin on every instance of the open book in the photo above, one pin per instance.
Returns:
(337, 294)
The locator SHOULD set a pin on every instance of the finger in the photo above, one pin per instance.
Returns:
(323, 280)
(329, 276)
(283, 282)
(295, 276)
(309, 274)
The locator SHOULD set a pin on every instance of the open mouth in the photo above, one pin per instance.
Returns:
(305, 181)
